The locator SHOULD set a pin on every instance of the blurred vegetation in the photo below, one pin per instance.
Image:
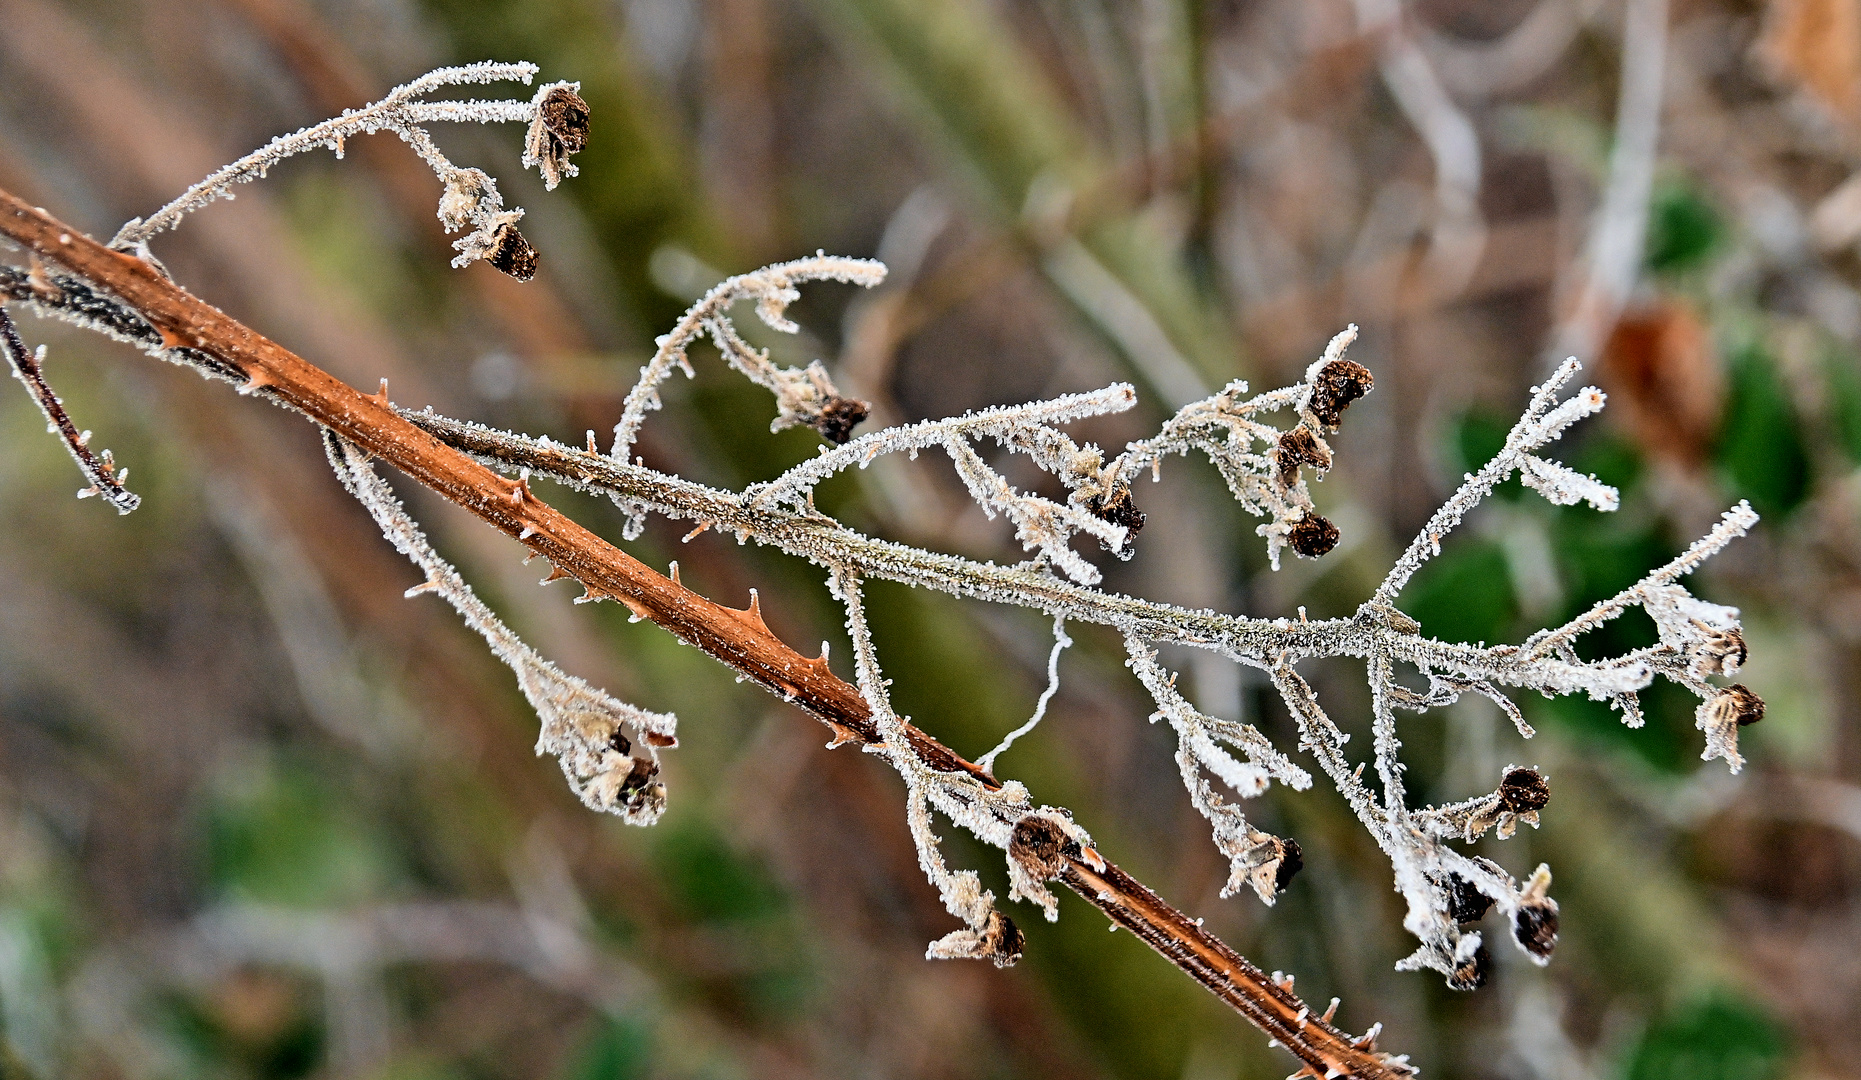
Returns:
(262, 817)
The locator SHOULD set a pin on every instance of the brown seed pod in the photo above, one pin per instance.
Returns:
(838, 417)
(1534, 924)
(620, 743)
(1312, 535)
(1118, 508)
(1465, 903)
(1524, 790)
(1290, 863)
(511, 253)
(1039, 844)
(1338, 384)
(1002, 940)
(1738, 699)
(565, 117)
(1723, 651)
(1471, 973)
(1299, 447)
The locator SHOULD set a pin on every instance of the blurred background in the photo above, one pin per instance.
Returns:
(260, 816)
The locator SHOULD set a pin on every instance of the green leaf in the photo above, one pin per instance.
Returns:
(1683, 229)
(620, 1048)
(1464, 594)
(1720, 1037)
(1760, 447)
(1843, 372)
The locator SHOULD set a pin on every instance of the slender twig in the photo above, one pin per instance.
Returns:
(738, 638)
(106, 480)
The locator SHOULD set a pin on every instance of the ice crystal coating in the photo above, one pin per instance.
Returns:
(583, 726)
(1264, 467)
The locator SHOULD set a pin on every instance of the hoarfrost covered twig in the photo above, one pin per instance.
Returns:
(1264, 467)
(1060, 642)
(803, 395)
(584, 727)
(106, 480)
(558, 120)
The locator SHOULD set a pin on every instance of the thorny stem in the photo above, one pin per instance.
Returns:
(739, 639)
(105, 478)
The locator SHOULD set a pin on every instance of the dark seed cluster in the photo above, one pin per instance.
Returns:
(1299, 447)
(511, 253)
(565, 117)
(1338, 384)
(839, 417)
(1118, 508)
(1002, 940)
(1039, 845)
(1524, 790)
(1745, 705)
(1471, 973)
(1291, 861)
(1312, 535)
(1534, 924)
(1465, 903)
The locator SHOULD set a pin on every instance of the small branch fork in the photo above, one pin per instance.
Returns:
(198, 334)
(28, 366)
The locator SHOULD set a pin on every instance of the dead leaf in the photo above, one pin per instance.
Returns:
(1663, 379)
(1815, 45)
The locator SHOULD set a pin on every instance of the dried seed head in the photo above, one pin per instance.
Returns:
(1038, 845)
(1745, 707)
(511, 253)
(1299, 447)
(565, 116)
(838, 417)
(559, 130)
(1723, 652)
(1471, 973)
(1465, 902)
(1118, 508)
(1338, 384)
(641, 792)
(1001, 941)
(1290, 863)
(1524, 790)
(1534, 925)
(1312, 535)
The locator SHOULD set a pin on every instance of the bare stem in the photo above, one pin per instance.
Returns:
(105, 478)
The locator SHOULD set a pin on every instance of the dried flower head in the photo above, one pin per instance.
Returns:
(1337, 384)
(1472, 971)
(838, 417)
(1287, 866)
(1312, 535)
(1119, 508)
(1534, 920)
(1524, 790)
(559, 130)
(1720, 717)
(1300, 447)
(1038, 846)
(1465, 902)
(511, 253)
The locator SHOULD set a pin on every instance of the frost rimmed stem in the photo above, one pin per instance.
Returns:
(164, 319)
(106, 479)
(802, 394)
(400, 112)
(584, 727)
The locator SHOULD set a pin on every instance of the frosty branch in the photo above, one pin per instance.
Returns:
(610, 750)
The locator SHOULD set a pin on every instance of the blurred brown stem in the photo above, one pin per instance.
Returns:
(737, 638)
